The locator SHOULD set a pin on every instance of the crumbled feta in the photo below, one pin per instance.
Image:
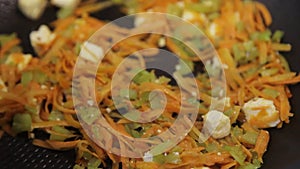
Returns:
(162, 42)
(180, 4)
(188, 15)
(91, 52)
(212, 30)
(227, 101)
(43, 36)
(108, 110)
(148, 157)
(33, 9)
(139, 20)
(261, 113)
(65, 3)
(18, 59)
(217, 124)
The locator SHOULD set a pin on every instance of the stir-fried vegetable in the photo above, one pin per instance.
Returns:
(39, 95)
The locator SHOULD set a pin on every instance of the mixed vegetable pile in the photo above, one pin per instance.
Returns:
(36, 89)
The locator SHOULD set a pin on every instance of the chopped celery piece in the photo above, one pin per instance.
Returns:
(250, 72)
(240, 26)
(56, 115)
(249, 137)
(249, 45)
(26, 78)
(277, 36)
(39, 76)
(78, 167)
(284, 63)
(263, 36)
(236, 131)
(77, 48)
(161, 147)
(61, 130)
(268, 72)
(4, 38)
(144, 97)
(133, 129)
(248, 166)
(21, 123)
(172, 158)
(144, 76)
(132, 115)
(237, 153)
(64, 12)
(93, 163)
(185, 67)
(212, 147)
(89, 114)
(163, 80)
(174, 9)
(229, 112)
(271, 92)
(156, 100)
(206, 6)
(238, 53)
(213, 15)
(128, 93)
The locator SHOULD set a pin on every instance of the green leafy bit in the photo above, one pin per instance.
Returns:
(144, 76)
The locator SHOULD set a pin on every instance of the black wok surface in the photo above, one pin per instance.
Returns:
(283, 151)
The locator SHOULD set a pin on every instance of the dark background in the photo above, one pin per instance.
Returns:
(284, 148)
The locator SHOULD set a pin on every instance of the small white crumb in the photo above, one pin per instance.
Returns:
(162, 42)
(90, 102)
(148, 157)
(108, 110)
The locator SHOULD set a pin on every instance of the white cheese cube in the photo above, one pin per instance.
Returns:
(261, 113)
(18, 59)
(33, 9)
(91, 52)
(217, 124)
(65, 3)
